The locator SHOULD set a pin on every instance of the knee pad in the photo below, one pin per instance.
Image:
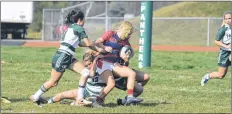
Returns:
(85, 72)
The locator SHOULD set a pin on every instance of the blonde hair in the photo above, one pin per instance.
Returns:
(126, 28)
(89, 56)
(225, 13)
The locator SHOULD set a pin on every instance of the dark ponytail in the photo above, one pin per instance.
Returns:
(73, 17)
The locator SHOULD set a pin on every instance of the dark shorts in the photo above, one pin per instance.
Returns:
(223, 58)
(121, 83)
(61, 61)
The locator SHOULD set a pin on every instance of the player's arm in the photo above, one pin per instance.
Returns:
(99, 43)
(105, 37)
(85, 43)
(219, 43)
(102, 48)
(99, 40)
(219, 36)
(99, 47)
(94, 66)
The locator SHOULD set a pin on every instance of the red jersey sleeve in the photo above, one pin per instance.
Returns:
(106, 36)
(126, 42)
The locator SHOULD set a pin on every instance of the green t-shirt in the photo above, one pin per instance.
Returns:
(224, 34)
(72, 37)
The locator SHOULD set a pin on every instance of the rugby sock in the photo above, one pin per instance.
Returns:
(40, 92)
(80, 92)
(102, 95)
(50, 101)
(208, 77)
(130, 92)
(99, 99)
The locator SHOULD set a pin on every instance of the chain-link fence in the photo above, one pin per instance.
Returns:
(166, 31)
(51, 21)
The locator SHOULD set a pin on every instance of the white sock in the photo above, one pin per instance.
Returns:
(80, 92)
(208, 77)
(50, 101)
(130, 95)
(40, 92)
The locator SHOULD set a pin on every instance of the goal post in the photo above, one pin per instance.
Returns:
(145, 39)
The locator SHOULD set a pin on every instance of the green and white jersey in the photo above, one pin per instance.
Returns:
(94, 86)
(71, 38)
(224, 35)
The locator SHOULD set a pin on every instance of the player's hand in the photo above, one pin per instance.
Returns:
(100, 50)
(108, 48)
(117, 64)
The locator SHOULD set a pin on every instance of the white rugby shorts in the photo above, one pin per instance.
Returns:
(103, 66)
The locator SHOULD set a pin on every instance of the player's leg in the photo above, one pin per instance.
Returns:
(219, 74)
(138, 90)
(223, 64)
(141, 77)
(79, 67)
(107, 77)
(71, 94)
(60, 62)
(124, 71)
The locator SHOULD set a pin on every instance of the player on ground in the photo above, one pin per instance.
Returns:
(95, 85)
(223, 39)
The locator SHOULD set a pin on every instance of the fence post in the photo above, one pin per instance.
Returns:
(43, 25)
(106, 17)
(208, 31)
(62, 23)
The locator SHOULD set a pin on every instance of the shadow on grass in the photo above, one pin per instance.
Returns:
(154, 103)
(111, 105)
(13, 100)
(26, 99)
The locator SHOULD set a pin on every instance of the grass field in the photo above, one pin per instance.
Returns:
(174, 85)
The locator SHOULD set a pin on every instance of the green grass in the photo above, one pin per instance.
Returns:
(174, 85)
(194, 9)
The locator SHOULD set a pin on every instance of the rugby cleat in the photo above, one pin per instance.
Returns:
(97, 104)
(205, 79)
(38, 102)
(129, 101)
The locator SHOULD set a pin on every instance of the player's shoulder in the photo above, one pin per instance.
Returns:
(222, 29)
(77, 27)
(110, 32)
